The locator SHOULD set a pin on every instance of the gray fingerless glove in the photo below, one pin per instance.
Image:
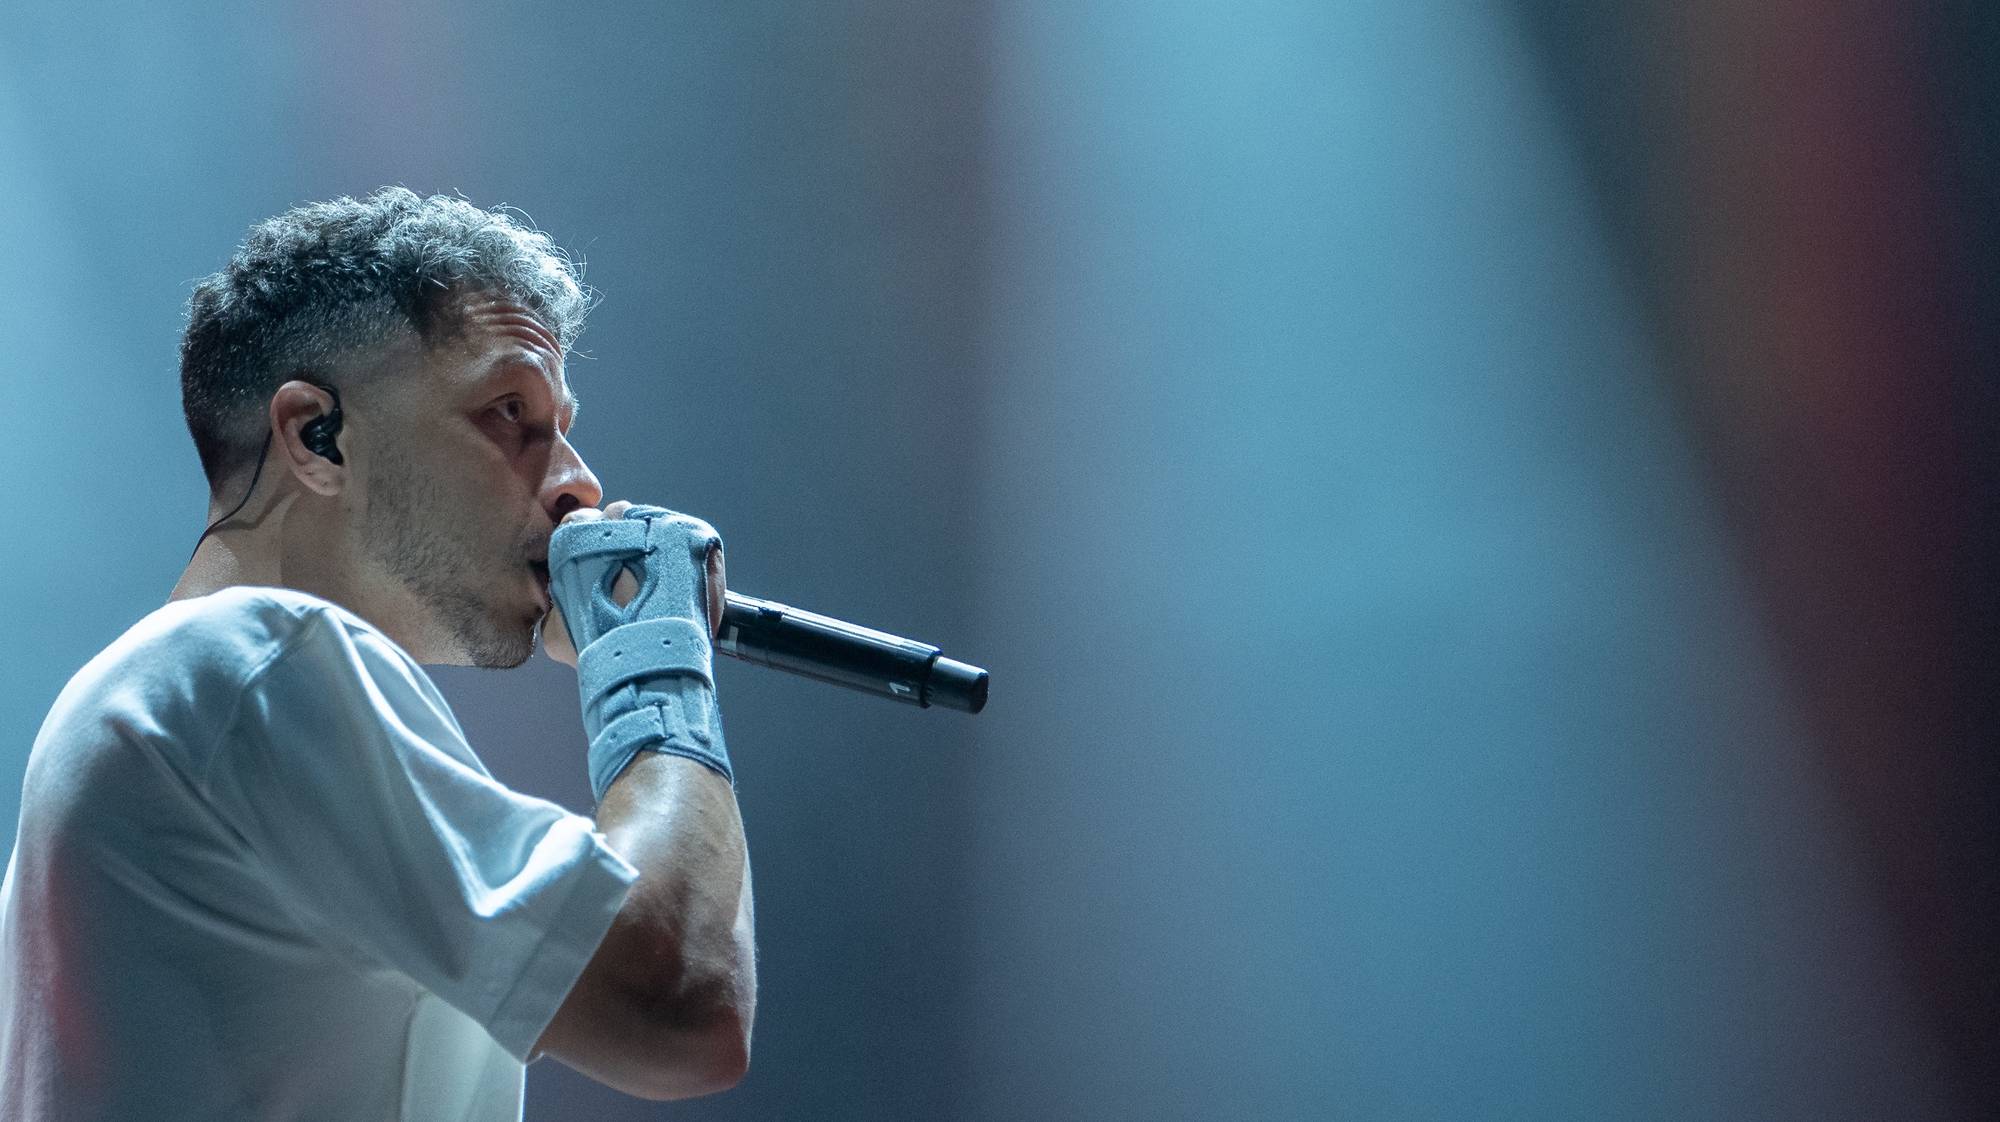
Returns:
(644, 671)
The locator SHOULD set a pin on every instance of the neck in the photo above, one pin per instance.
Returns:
(264, 553)
(264, 546)
(246, 550)
(220, 564)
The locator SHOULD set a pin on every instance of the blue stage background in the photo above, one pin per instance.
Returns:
(1311, 413)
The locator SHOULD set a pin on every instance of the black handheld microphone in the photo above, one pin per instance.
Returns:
(783, 637)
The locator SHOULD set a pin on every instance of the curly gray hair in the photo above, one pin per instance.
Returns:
(320, 283)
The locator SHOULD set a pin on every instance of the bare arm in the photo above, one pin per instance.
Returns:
(664, 1008)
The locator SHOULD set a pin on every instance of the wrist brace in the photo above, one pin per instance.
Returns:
(644, 671)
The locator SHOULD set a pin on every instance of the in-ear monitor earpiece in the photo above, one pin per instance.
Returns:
(318, 434)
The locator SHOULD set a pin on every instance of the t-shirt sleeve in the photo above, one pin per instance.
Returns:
(352, 786)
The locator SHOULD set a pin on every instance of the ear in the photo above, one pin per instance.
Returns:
(295, 405)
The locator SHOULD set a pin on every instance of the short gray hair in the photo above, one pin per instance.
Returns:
(325, 281)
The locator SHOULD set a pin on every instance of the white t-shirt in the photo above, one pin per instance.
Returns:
(260, 874)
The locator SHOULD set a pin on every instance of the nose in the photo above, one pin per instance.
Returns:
(570, 483)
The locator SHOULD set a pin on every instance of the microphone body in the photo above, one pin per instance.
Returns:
(785, 638)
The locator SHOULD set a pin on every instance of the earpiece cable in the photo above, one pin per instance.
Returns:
(254, 476)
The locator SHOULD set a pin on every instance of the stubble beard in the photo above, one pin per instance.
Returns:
(407, 532)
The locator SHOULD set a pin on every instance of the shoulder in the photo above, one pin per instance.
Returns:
(231, 637)
(219, 640)
(251, 633)
(178, 675)
(304, 664)
(243, 620)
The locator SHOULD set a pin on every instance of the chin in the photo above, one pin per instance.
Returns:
(504, 659)
(516, 648)
(492, 644)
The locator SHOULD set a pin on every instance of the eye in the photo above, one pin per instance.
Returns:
(514, 410)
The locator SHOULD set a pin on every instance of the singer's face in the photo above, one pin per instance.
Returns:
(470, 480)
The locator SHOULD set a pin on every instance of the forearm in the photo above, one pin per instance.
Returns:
(677, 822)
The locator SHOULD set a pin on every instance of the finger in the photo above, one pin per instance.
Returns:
(618, 509)
(583, 514)
(555, 638)
(624, 588)
(717, 587)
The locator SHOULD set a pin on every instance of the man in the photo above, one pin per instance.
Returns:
(259, 872)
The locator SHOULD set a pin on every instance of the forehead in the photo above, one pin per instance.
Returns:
(495, 342)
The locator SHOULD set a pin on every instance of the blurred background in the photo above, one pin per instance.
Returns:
(1481, 515)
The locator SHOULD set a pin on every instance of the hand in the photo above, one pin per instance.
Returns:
(555, 633)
